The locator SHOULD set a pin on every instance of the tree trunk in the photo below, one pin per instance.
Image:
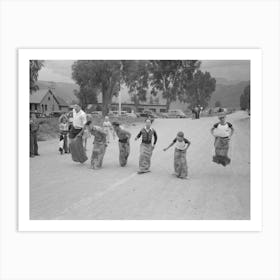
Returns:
(106, 102)
(168, 101)
(85, 103)
(136, 103)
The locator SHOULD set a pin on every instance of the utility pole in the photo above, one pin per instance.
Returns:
(120, 92)
(120, 102)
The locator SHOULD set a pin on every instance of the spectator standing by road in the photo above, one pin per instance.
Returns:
(75, 135)
(63, 138)
(33, 129)
(79, 121)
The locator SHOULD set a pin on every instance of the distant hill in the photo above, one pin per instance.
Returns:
(227, 92)
(225, 81)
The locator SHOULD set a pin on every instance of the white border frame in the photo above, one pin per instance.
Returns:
(254, 224)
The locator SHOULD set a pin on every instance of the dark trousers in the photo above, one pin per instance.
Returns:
(33, 144)
(64, 137)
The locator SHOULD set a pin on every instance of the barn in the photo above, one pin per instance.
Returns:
(46, 102)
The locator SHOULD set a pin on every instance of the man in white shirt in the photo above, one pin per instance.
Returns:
(79, 121)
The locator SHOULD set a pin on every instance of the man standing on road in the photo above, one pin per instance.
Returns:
(79, 121)
(75, 135)
(33, 129)
(146, 147)
(124, 146)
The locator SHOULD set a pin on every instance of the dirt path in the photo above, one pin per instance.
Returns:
(62, 189)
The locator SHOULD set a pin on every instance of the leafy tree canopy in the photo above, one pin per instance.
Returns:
(34, 67)
(98, 76)
(198, 91)
(168, 76)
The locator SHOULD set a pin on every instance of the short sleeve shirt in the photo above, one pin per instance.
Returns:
(223, 130)
(181, 145)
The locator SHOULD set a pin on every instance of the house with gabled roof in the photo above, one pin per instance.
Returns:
(45, 101)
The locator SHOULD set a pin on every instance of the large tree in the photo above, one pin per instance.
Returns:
(86, 96)
(218, 104)
(198, 91)
(34, 67)
(245, 99)
(168, 76)
(98, 76)
(135, 76)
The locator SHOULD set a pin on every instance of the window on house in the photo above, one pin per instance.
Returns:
(36, 107)
(46, 107)
(49, 98)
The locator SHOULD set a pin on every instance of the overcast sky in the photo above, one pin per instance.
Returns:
(60, 70)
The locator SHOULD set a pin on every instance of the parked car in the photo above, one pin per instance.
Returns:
(132, 115)
(124, 113)
(148, 114)
(96, 114)
(176, 113)
(56, 114)
(163, 115)
(38, 114)
(42, 115)
(117, 113)
(113, 113)
(151, 113)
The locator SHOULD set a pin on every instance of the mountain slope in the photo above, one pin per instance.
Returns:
(228, 94)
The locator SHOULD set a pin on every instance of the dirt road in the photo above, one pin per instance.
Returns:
(62, 189)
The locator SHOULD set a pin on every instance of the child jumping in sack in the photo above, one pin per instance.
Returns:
(180, 152)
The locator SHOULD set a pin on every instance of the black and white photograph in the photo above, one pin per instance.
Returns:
(139, 139)
(127, 140)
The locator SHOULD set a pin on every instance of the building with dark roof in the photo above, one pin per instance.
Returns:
(45, 101)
